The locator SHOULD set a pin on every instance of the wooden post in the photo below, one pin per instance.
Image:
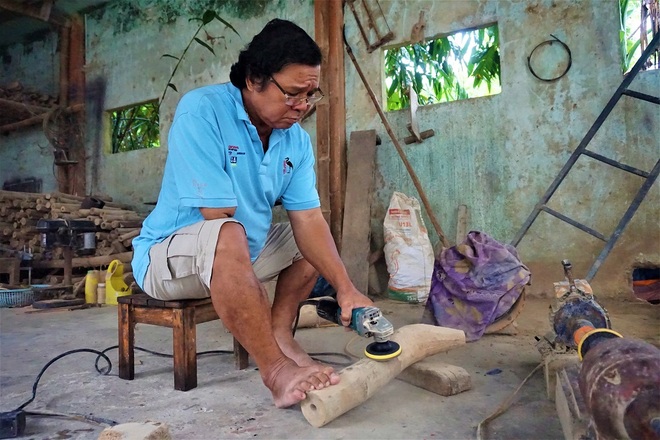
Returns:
(76, 96)
(330, 114)
(323, 114)
(334, 69)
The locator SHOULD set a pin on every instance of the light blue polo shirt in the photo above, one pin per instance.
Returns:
(216, 160)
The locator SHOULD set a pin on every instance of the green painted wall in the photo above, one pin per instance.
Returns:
(497, 155)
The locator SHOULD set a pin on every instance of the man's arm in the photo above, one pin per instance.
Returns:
(316, 244)
(216, 213)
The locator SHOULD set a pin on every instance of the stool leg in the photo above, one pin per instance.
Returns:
(126, 342)
(185, 349)
(241, 356)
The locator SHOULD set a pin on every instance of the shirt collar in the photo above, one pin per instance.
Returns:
(241, 113)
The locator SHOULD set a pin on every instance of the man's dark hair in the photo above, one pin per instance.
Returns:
(279, 44)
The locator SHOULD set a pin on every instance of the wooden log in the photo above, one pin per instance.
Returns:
(129, 235)
(28, 221)
(124, 257)
(114, 211)
(25, 204)
(118, 247)
(362, 379)
(127, 223)
(122, 231)
(61, 195)
(65, 207)
(43, 206)
(437, 377)
(11, 195)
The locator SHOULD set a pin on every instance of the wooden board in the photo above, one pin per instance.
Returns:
(357, 209)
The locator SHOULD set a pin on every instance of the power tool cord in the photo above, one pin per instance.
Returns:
(103, 371)
(314, 356)
(106, 371)
(481, 427)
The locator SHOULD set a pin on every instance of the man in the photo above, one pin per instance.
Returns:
(234, 150)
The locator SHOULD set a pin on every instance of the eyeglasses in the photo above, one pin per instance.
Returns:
(292, 101)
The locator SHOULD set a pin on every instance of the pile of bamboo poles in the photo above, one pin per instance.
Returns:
(20, 211)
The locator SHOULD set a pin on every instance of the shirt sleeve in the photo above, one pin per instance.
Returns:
(197, 150)
(301, 192)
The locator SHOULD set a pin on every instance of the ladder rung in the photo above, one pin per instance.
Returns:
(616, 164)
(642, 96)
(575, 223)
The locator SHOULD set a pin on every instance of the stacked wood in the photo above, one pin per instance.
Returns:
(18, 103)
(117, 225)
(15, 91)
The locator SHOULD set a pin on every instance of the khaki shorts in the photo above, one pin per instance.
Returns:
(182, 264)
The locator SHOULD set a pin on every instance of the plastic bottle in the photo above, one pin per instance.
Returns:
(100, 293)
(91, 285)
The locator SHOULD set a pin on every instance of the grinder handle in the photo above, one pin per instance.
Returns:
(329, 310)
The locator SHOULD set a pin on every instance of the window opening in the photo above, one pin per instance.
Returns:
(135, 127)
(646, 283)
(462, 65)
(640, 21)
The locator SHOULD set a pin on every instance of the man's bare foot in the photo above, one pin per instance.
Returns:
(289, 382)
(294, 351)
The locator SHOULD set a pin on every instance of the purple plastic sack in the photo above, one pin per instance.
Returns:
(473, 284)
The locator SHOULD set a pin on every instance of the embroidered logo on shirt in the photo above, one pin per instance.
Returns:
(233, 151)
(287, 166)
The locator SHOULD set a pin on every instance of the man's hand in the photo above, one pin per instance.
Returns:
(349, 299)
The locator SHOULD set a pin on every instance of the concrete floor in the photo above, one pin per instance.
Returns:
(234, 404)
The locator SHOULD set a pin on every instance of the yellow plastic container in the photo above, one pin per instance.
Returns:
(114, 283)
(91, 286)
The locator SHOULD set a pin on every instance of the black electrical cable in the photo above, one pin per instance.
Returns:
(56, 358)
(564, 45)
(105, 372)
(316, 355)
(159, 354)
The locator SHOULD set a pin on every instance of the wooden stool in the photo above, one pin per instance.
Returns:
(182, 317)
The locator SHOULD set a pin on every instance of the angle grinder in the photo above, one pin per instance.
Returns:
(367, 322)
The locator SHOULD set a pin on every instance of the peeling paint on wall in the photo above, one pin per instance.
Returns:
(497, 155)
(128, 14)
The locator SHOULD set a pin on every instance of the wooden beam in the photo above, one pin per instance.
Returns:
(64, 37)
(36, 119)
(77, 61)
(331, 114)
(42, 12)
(19, 106)
(76, 92)
(323, 114)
